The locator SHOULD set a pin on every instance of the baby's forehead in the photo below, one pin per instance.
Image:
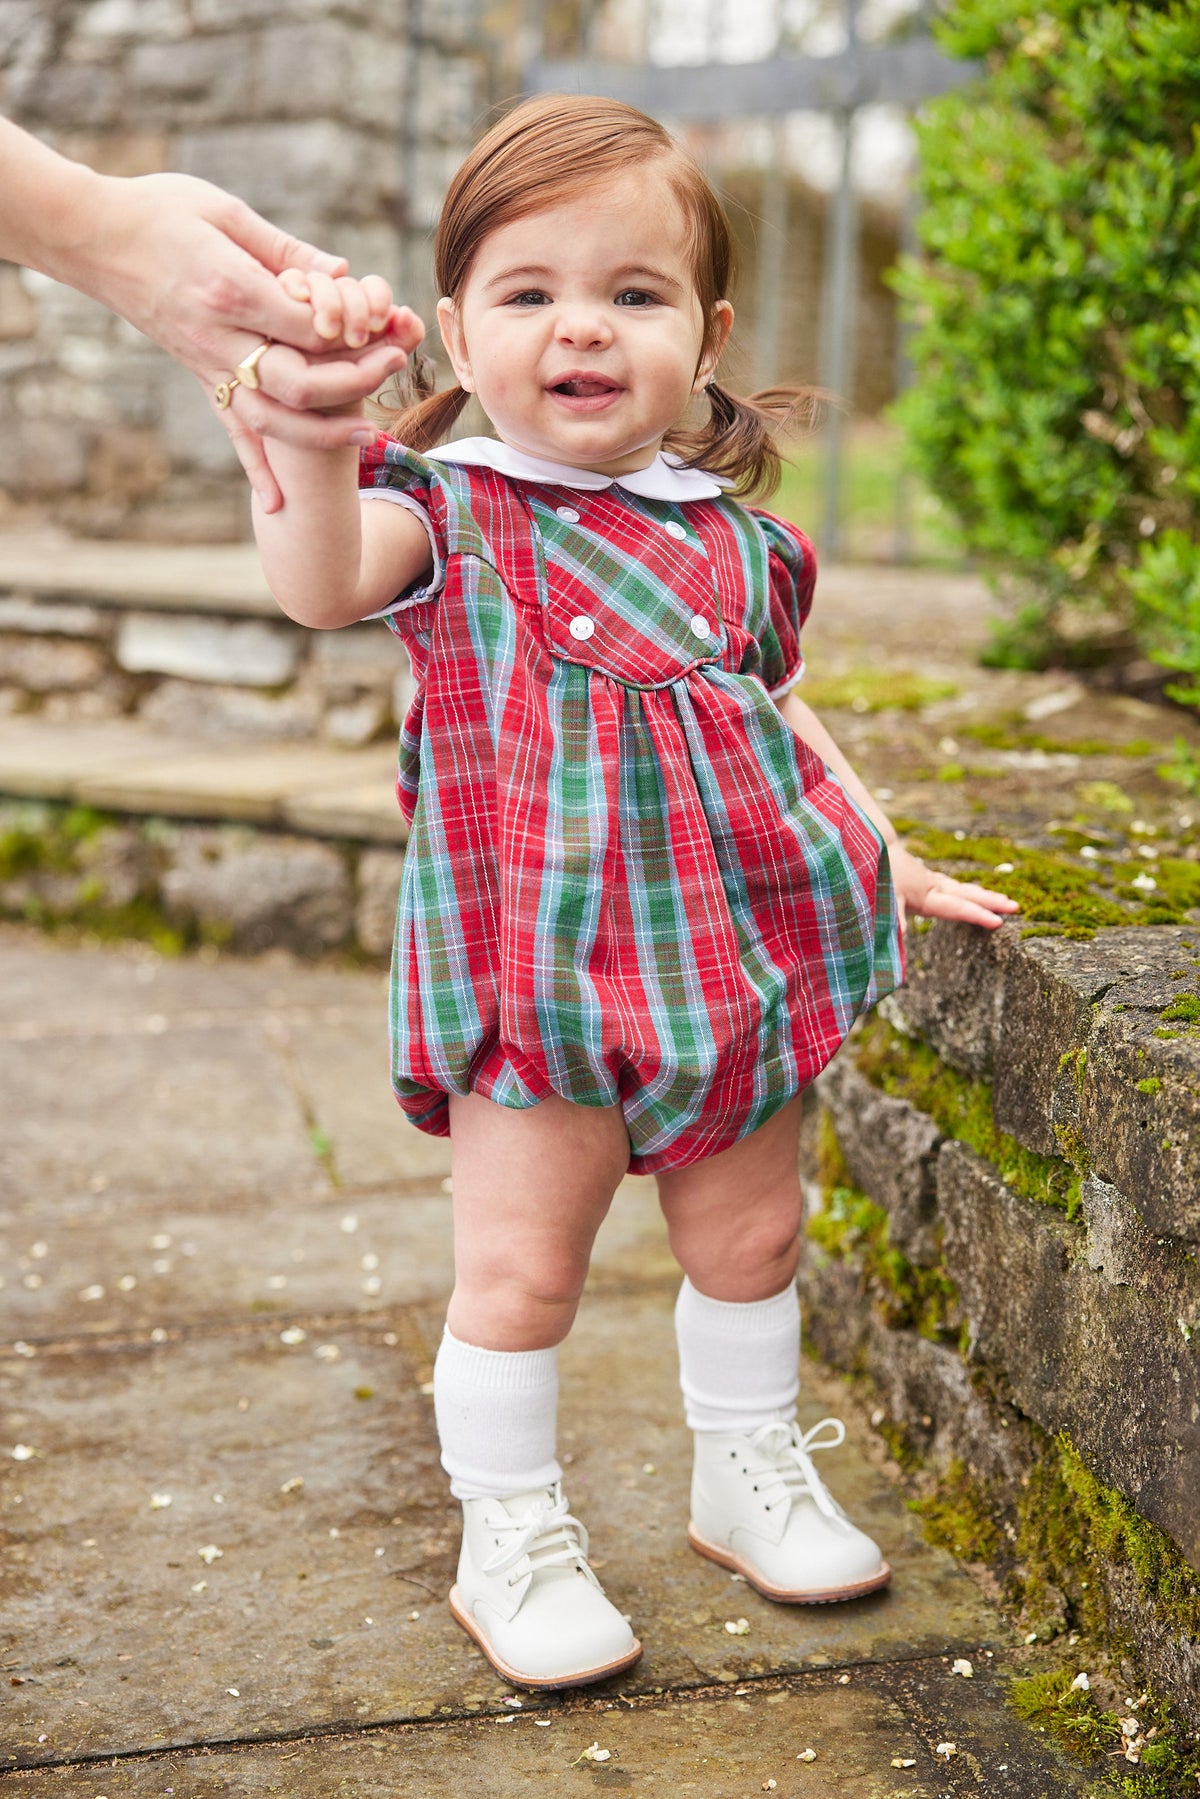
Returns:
(634, 216)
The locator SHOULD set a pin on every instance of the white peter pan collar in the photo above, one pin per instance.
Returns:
(663, 479)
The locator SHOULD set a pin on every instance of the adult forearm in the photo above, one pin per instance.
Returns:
(47, 204)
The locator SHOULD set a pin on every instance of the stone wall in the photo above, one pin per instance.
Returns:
(339, 119)
(1004, 1186)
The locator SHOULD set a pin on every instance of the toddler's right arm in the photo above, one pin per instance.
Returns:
(328, 559)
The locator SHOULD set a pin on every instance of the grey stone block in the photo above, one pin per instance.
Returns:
(379, 873)
(37, 456)
(891, 1150)
(132, 19)
(330, 68)
(298, 173)
(1117, 1364)
(47, 664)
(41, 618)
(220, 714)
(198, 79)
(260, 891)
(83, 95)
(1078, 1036)
(242, 653)
(952, 997)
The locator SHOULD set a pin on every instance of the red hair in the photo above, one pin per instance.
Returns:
(549, 150)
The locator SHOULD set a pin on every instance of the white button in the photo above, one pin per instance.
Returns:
(674, 530)
(582, 627)
(701, 627)
(569, 513)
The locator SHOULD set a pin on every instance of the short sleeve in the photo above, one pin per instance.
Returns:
(792, 575)
(389, 473)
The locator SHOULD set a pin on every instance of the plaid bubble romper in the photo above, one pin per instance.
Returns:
(627, 881)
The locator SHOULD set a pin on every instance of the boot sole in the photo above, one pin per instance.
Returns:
(782, 1595)
(539, 1683)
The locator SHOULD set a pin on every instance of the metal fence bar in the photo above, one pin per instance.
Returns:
(902, 74)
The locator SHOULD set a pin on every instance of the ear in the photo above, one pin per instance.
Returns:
(722, 326)
(454, 338)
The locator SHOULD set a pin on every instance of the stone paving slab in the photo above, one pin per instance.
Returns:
(207, 1377)
(124, 1635)
(46, 986)
(724, 1745)
(188, 1109)
(126, 1264)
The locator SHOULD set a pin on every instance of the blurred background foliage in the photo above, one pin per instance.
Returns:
(1056, 306)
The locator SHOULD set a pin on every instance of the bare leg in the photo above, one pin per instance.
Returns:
(531, 1189)
(734, 1219)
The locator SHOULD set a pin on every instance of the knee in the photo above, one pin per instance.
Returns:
(528, 1302)
(744, 1257)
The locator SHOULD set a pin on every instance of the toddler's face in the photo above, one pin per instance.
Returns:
(580, 330)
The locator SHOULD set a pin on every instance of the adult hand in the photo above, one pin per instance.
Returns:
(194, 268)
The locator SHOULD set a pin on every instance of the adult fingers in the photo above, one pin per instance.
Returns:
(250, 453)
(277, 249)
(263, 417)
(305, 385)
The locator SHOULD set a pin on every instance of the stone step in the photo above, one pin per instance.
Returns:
(125, 765)
(51, 567)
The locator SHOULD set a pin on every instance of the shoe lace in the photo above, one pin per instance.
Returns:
(546, 1533)
(791, 1474)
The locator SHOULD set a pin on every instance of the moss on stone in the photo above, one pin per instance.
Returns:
(1152, 1085)
(1163, 1762)
(1060, 896)
(962, 1109)
(1071, 1524)
(1012, 736)
(875, 689)
(956, 1516)
(1186, 1008)
(1051, 1702)
(852, 1228)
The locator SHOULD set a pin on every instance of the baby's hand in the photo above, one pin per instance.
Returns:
(933, 895)
(345, 310)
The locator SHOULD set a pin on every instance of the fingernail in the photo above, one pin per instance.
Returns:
(264, 499)
(362, 437)
(357, 339)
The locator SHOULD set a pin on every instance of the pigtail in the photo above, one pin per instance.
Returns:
(739, 438)
(423, 417)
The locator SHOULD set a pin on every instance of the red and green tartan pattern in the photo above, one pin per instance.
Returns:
(627, 881)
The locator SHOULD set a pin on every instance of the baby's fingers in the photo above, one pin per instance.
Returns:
(965, 902)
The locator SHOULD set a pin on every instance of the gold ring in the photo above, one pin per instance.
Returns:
(223, 393)
(247, 370)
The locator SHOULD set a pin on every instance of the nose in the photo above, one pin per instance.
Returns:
(583, 326)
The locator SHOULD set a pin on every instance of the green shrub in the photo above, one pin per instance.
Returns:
(1056, 407)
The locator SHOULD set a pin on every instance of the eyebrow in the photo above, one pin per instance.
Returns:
(539, 272)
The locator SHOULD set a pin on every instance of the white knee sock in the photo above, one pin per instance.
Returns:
(497, 1418)
(739, 1364)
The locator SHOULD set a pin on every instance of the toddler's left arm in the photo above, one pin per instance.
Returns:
(921, 890)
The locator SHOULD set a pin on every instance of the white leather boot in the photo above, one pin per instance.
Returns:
(760, 1507)
(527, 1596)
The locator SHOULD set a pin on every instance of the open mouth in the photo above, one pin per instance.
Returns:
(584, 387)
